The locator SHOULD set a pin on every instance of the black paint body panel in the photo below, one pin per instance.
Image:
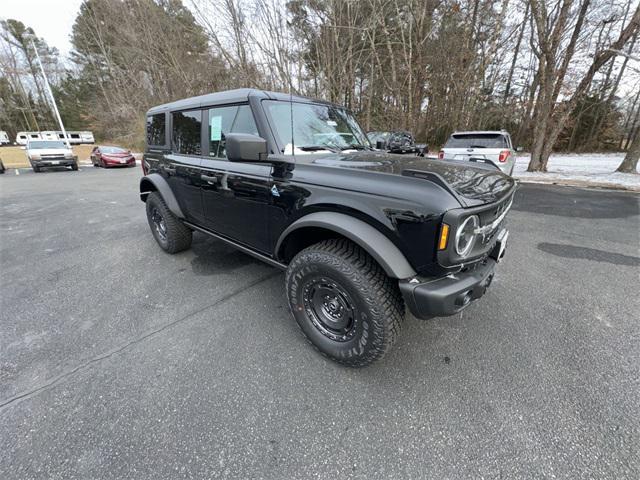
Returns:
(254, 203)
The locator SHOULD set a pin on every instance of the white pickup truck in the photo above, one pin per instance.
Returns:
(493, 146)
(50, 153)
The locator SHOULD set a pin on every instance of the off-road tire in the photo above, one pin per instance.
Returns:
(177, 236)
(378, 305)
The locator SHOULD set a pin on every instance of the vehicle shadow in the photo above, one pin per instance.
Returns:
(214, 257)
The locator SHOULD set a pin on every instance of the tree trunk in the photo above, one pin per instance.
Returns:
(630, 162)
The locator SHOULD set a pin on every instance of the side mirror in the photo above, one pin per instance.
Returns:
(380, 145)
(519, 149)
(243, 147)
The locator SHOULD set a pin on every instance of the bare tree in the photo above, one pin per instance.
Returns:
(549, 117)
(630, 162)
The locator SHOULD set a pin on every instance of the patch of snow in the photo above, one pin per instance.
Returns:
(597, 169)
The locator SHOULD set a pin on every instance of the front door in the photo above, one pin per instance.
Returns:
(235, 195)
(235, 199)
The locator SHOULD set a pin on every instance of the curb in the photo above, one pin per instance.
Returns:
(582, 184)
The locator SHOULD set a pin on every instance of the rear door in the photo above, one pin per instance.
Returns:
(235, 195)
(181, 166)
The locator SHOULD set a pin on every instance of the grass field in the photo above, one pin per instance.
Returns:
(15, 157)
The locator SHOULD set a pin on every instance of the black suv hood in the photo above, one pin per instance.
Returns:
(476, 184)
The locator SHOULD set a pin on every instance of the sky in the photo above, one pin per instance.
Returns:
(50, 19)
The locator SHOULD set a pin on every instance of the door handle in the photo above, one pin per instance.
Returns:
(209, 179)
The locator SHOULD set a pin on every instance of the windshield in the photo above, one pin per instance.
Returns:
(478, 140)
(37, 145)
(315, 127)
(378, 136)
(112, 150)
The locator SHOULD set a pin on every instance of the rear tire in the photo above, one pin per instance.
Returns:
(171, 234)
(344, 303)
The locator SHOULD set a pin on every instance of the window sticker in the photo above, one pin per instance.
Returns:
(215, 123)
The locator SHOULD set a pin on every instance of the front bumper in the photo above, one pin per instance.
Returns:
(111, 162)
(444, 296)
(58, 162)
(448, 295)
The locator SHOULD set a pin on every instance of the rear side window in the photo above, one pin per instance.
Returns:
(224, 120)
(483, 140)
(186, 132)
(155, 130)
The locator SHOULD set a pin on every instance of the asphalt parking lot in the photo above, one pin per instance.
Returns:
(120, 361)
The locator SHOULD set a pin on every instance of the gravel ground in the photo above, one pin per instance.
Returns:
(119, 361)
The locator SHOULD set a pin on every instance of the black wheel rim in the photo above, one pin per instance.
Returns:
(159, 224)
(330, 308)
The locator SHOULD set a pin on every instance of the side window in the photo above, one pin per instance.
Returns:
(220, 121)
(223, 120)
(186, 132)
(244, 122)
(155, 130)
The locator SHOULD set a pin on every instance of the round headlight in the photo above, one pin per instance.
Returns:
(465, 236)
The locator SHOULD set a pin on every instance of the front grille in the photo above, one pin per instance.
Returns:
(491, 220)
(52, 156)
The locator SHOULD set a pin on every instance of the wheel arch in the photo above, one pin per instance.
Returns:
(155, 183)
(318, 226)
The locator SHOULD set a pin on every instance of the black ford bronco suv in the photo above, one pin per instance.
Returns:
(360, 233)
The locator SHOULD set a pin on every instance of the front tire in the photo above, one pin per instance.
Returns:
(74, 167)
(171, 234)
(344, 303)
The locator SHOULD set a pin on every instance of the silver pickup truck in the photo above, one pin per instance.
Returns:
(492, 146)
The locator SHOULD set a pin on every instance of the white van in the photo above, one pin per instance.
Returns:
(4, 138)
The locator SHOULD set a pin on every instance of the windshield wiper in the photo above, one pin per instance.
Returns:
(355, 146)
(316, 148)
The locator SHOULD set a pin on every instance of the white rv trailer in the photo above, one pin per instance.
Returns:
(76, 138)
(49, 135)
(23, 137)
(87, 137)
(73, 137)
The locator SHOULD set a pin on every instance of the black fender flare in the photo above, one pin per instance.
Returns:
(155, 182)
(375, 243)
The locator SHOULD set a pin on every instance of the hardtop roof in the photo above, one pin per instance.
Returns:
(482, 132)
(229, 96)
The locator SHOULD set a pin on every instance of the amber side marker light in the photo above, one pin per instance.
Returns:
(444, 237)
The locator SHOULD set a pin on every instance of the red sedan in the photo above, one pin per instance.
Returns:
(104, 156)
